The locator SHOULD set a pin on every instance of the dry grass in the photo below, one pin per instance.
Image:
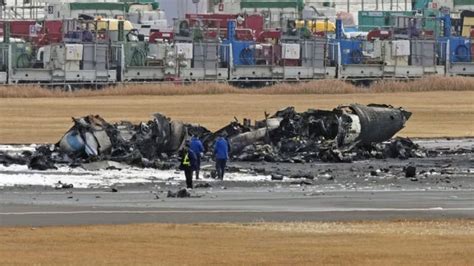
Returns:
(314, 87)
(411, 228)
(434, 83)
(363, 243)
(44, 120)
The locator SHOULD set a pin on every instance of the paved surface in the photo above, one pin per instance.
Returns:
(363, 190)
(229, 205)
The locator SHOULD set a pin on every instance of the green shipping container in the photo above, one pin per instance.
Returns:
(297, 4)
(369, 20)
(463, 2)
(118, 6)
(99, 6)
(431, 22)
(153, 3)
(138, 1)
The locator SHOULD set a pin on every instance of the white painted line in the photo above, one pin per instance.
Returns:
(101, 191)
(243, 211)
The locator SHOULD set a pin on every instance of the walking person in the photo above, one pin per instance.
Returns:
(188, 164)
(198, 149)
(221, 153)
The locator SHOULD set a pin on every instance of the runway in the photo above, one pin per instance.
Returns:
(230, 205)
(362, 190)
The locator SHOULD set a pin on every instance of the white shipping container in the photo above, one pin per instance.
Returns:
(74, 52)
(186, 49)
(390, 58)
(291, 51)
(401, 48)
(57, 56)
(157, 51)
(72, 66)
(46, 51)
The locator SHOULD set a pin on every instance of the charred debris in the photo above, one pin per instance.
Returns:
(347, 133)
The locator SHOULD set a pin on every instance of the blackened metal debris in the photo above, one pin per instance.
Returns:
(347, 133)
(410, 171)
(182, 193)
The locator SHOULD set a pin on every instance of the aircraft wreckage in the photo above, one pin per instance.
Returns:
(347, 133)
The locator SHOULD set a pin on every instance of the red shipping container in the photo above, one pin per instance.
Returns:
(38, 32)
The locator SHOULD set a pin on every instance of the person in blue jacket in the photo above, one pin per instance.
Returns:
(221, 153)
(198, 149)
(188, 164)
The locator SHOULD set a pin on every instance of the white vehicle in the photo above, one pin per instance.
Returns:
(144, 16)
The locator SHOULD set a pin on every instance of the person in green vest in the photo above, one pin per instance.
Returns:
(188, 164)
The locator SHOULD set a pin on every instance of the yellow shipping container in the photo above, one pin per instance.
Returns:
(112, 24)
(466, 27)
(316, 25)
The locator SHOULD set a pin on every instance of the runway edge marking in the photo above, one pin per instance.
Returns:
(242, 211)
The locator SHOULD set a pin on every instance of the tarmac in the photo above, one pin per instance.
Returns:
(245, 205)
(364, 190)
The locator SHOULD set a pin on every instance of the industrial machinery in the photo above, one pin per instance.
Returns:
(237, 52)
(455, 51)
(402, 51)
(345, 53)
(144, 61)
(73, 59)
(145, 15)
(238, 48)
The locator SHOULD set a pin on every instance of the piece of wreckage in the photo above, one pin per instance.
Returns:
(347, 133)
(147, 144)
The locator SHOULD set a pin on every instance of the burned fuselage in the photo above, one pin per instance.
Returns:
(302, 136)
(346, 126)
